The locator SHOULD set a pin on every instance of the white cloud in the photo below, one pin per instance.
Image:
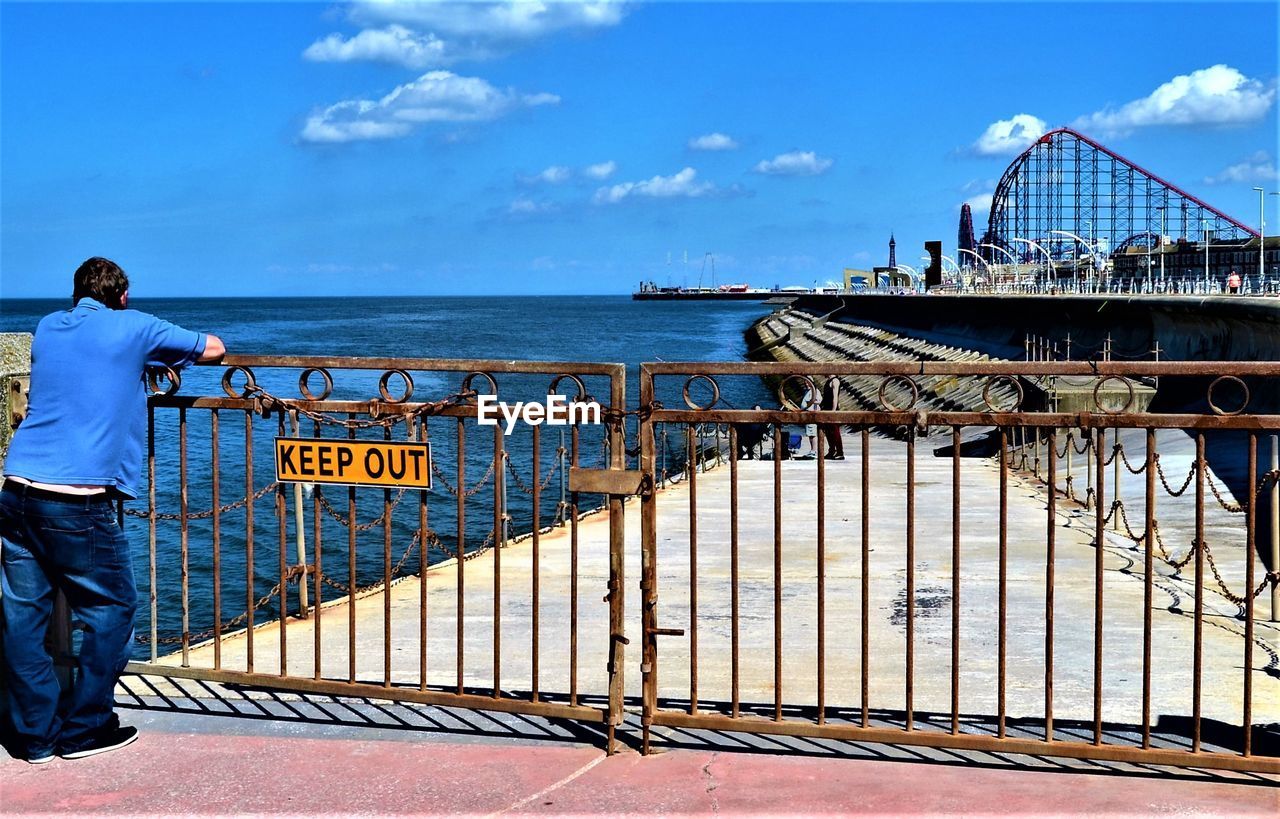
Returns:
(528, 207)
(1006, 137)
(394, 44)
(713, 142)
(796, 163)
(437, 96)
(1258, 168)
(512, 20)
(601, 170)
(553, 175)
(683, 184)
(432, 34)
(1217, 95)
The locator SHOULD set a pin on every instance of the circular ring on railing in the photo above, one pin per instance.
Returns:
(1217, 410)
(902, 379)
(385, 380)
(466, 382)
(305, 388)
(1011, 381)
(810, 389)
(154, 374)
(715, 392)
(250, 383)
(553, 389)
(1128, 400)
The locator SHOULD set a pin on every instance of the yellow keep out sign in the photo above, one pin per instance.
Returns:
(353, 463)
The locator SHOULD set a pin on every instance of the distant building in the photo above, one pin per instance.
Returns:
(1186, 259)
(893, 255)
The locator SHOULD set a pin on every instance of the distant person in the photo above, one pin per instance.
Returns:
(1233, 282)
(79, 449)
(831, 401)
(812, 402)
(750, 436)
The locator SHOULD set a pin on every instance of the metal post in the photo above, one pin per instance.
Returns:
(1275, 529)
(1115, 481)
(1088, 479)
(300, 535)
(561, 512)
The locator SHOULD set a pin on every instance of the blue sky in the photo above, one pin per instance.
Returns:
(428, 148)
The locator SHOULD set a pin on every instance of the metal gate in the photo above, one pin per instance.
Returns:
(1001, 603)
(379, 592)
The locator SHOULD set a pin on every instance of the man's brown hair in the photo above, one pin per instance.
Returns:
(103, 280)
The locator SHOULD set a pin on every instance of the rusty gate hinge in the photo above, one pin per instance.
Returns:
(608, 481)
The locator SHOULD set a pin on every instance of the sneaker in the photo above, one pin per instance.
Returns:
(118, 737)
(40, 757)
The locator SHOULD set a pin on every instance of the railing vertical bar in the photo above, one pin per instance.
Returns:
(534, 579)
(822, 576)
(386, 577)
(1251, 545)
(282, 524)
(955, 580)
(351, 571)
(248, 540)
(424, 435)
(779, 442)
(461, 546)
(1148, 584)
(1002, 601)
(1099, 517)
(318, 575)
(151, 524)
(692, 457)
(1051, 542)
(574, 442)
(734, 625)
(864, 641)
(215, 480)
(648, 568)
(1197, 666)
(911, 581)
(185, 536)
(499, 524)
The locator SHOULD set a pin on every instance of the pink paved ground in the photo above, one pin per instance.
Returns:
(200, 773)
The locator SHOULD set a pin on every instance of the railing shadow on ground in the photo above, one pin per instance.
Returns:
(351, 716)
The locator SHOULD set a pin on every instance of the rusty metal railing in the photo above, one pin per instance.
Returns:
(831, 571)
(326, 610)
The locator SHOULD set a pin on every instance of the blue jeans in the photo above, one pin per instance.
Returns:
(75, 545)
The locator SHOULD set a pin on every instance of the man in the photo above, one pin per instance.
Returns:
(79, 449)
(831, 401)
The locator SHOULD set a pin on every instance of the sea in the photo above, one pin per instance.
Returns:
(569, 329)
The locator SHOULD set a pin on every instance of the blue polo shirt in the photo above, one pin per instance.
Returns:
(86, 421)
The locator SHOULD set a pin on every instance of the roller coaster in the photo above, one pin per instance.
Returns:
(1075, 197)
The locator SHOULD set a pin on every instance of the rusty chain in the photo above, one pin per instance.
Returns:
(360, 527)
(1117, 507)
(207, 513)
(542, 487)
(475, 488)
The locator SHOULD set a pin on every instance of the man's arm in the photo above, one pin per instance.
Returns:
(214, 349)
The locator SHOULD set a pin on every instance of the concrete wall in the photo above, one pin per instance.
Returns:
(15, 365)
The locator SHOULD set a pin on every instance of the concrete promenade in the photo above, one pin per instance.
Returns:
(220, 765)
